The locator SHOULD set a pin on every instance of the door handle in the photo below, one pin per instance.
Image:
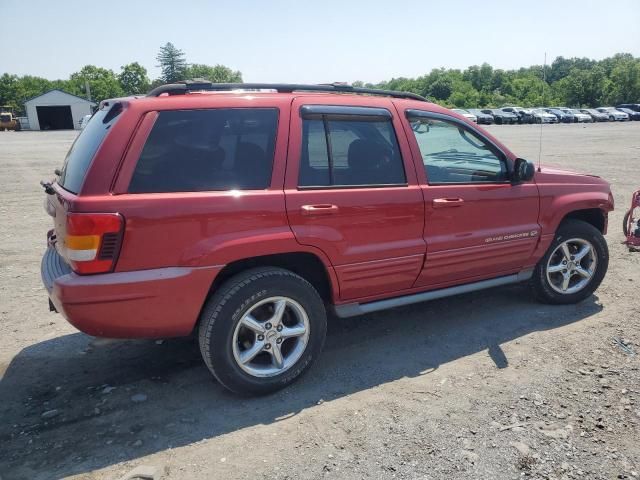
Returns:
(324, 209)
(447, 202)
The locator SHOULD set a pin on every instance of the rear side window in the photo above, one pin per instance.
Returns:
(205, 150)
(348, 151)
(85, 147)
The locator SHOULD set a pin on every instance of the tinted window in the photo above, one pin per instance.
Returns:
(349, 152)
(452, 154)
(85, 147)
(200, 150)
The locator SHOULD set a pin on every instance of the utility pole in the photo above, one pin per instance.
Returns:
(87, 89)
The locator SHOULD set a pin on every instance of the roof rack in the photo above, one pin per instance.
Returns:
(180, 88)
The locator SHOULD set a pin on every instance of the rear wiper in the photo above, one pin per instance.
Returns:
(48, 188)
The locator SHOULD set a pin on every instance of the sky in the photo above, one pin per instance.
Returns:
(312, 41)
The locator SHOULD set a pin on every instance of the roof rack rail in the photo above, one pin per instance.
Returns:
(198, 85)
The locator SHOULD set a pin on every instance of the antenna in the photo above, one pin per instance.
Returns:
(544, 82)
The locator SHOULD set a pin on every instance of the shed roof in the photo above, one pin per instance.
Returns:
(61, 91)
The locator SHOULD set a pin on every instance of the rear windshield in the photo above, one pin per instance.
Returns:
(85, 147)
(205, 150)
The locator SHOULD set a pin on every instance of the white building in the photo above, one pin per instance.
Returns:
(57, 110)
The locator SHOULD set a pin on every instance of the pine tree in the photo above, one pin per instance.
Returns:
(172, 62)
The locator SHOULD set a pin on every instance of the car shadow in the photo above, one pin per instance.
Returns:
(105, 402)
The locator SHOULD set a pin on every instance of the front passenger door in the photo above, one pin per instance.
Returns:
(477, 223)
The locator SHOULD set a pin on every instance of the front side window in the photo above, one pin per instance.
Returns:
(349, 151)
(206, 150)
(453, 154)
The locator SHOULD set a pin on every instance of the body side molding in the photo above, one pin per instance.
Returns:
(354, 309)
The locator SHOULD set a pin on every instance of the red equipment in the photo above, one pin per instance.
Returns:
(631, 223)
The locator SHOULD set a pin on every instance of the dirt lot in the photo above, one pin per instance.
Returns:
(490, 385)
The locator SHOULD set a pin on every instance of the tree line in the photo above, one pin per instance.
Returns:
(101, 83)
(573, 82)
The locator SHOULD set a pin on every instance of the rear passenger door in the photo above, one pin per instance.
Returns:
(351, 190)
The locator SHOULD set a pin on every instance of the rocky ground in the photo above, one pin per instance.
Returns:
(490, 385)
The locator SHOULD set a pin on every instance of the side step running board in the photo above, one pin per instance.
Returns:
(354, 309)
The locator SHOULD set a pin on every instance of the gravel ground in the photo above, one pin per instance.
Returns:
(490, 385)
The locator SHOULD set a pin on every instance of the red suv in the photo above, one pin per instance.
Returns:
(244, 215)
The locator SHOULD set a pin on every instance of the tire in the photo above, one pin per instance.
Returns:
(578, 235)
(223, 339)
(625, 223)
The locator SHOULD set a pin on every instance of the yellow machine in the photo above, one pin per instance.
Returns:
(7, 119)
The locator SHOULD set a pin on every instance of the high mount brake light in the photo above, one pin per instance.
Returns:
(92, 241)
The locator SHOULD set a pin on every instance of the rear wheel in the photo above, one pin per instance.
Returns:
(574, 265)
(262, 330)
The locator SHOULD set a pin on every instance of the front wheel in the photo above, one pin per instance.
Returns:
(574, 265)
(262, 330)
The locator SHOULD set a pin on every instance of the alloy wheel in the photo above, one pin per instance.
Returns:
(571, 266)
(271, 337)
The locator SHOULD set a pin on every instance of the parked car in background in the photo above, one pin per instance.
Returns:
(500, 117)
(595, 114)
(562, 116)
(631, 106)
(524, 114)
(614, 114)
(84, 120)
(466, 114)
(632, 115)
(580, 117)
(483, 118)
(540, 115)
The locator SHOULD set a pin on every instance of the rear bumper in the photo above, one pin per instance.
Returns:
(161, 302)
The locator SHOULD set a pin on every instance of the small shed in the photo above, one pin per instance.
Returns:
(57, 110)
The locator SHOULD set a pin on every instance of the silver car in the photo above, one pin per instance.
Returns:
(542, 116)
(595, 114)
(581, 117)
(466, 114)
(614, 114)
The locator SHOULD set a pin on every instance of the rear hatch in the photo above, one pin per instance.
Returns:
(87, 242)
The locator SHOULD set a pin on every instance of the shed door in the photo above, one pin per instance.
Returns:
(55, 117)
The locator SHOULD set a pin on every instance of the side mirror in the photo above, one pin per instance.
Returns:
(523, 170)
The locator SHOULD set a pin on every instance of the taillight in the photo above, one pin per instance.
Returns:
(92, 241)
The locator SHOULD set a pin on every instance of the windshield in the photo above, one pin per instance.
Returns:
(85, 147)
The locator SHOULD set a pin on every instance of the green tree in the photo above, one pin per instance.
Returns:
(172, 63)
(463, 95)
(215, 74)
(103, 83)
(527, 91)
(133, 79)
(14, 90)
(624, 86)
(582, 87)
